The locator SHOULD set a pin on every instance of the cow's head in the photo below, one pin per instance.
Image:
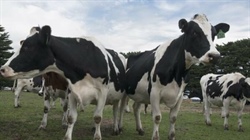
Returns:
(199, 35)
(32, 58)
(245, 83)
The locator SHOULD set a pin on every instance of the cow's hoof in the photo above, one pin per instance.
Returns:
(115, 133)
(208, 123)
(240, 129)
(18, 106)
(41, 128)
(64, 126)
(171, 136)
(226, 128)
(140, 132)
(120, 130)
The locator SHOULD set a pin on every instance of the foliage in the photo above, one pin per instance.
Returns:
(126, 55)
(4, 53)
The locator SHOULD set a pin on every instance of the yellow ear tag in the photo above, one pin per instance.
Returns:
(221, 34)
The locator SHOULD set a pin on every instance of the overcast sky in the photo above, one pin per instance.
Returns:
(122, 25)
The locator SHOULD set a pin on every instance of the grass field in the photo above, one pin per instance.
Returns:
(22, 123)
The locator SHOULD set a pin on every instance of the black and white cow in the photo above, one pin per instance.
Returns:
(160, 75)
(222, 91)
(86, 65)
(30, 84)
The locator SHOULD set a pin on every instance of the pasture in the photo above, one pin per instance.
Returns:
(22, 123)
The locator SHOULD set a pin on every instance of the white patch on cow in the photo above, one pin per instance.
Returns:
(86, 90)
(141, 93)
(32, 32)
(190, 60)
(78, 40)
(217, 101)
(12, 57)
(247, 80)
(160, 51)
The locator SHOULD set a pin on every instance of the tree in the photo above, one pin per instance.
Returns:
(4, 53)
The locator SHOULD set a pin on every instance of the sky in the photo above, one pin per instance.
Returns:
(121, 25)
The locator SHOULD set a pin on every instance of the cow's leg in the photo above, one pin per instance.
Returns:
(240, 110)
(145, 108)
(226, 104)
(206, 106)
(155, 105)
(45, 110)
(17, 94)
(172, 118)
(65, 112)
(115, 118)
(127, 109)
(123, 104)
(98, 112)
(72, 116)
(136, 109)
(40, 92)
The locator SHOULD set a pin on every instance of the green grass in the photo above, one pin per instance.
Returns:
(23, 123)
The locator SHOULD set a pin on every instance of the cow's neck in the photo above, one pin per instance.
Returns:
(172, 65)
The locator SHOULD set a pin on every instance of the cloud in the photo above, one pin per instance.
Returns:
(123, 25)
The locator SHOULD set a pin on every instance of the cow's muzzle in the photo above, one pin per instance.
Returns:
(6, 72)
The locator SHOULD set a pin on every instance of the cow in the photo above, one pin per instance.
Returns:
(84, 62)
(223, 90)
(161, 74)
(31, 84)
(54, 86)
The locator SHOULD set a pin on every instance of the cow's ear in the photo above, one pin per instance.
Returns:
(21, 42)
(222, 26)
(45, 34)
(183, 24)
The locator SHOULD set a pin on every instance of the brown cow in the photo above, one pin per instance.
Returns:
(54, 86)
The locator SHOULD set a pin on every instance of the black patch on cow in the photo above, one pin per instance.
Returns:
(245, 88)
(194, 40)
(214, 88)
(137, 66)
(229, 83)
(76, 59)
(37, 81)
(234, 90)
(119, 78)
(172, 64)
(33, 56)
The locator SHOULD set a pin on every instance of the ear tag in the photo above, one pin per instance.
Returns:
(221, 34)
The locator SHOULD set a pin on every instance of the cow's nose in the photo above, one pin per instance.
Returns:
(2, 70)
(213, 58)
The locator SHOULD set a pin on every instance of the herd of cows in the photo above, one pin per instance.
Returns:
(81, 71)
